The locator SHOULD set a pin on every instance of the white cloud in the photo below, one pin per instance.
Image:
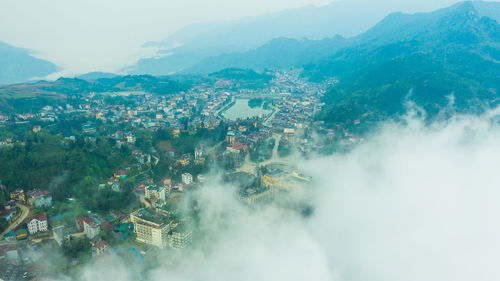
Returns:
(413, 202)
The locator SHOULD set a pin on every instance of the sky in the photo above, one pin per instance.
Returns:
(81, 34)
(86, 35)
(412, 202)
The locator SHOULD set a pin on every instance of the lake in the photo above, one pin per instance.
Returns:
(241, 110)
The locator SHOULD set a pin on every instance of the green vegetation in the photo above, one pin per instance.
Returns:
(435, 57)
(30, 97)
(67, 169)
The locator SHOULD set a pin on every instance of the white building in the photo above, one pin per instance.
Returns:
(151, 227)
(90, 228)
(187, 178)
(154, 191)
(37, 224)
(180, 237)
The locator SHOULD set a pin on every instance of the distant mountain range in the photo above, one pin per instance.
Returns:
(18, 65)
(191, 45)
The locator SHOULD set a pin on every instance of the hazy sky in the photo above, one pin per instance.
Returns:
(78, 33)
(86, 35)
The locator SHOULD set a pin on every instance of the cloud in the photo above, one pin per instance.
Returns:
(415, 201)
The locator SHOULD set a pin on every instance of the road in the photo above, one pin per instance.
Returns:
(223, 108)
(19, 219)
(249, 167)
(270, 118)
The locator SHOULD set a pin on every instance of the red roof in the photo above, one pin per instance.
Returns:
(40, 217)
(89, 222)
(105, 225)
(101, 244)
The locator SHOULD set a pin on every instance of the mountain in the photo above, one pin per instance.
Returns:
(96, 75)
(426, 58)
(192, 44)
(18, 65)
(277, 54)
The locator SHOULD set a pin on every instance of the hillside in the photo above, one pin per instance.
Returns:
(277, 54)
(30, 97)
(426, 58)
(18, 65)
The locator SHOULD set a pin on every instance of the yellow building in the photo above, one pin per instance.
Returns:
(253, 196)
(151, 227)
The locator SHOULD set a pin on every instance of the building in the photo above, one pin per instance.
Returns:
(18, 195)
(257, 195)
(120, 174)
(180, 237)
(90, 228)
(154, 191)
(37, 224)
(230, 137)
(39, 199)
(99, 248)
(8, 214)
(187, 178)
(151, 228)
(37, 129)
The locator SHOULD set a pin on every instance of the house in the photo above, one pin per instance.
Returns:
(37, 129)
(39, 198)
(18, 195)
(90, 228)
(8, 214)
(187, 178)
(99, 248)
(120, 174)
(37, 224)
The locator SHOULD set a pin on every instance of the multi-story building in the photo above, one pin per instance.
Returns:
(37, 224)
(151, 227)
(39, 198)
(154, 191)
(90, 228)
(180, 237)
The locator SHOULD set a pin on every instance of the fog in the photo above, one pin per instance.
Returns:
(414, 201)
(82, 36)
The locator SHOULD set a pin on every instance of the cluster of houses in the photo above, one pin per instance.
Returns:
(35, 198)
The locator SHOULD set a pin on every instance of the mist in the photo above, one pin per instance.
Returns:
(83, 36)
(414, 201)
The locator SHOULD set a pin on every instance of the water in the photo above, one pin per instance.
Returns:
(241, 110)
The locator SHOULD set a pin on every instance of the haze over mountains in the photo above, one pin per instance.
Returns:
(194, 43)
(18, 65)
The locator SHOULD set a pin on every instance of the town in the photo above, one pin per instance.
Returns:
(166, 146)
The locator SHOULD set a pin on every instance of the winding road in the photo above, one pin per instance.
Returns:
(18, 220)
